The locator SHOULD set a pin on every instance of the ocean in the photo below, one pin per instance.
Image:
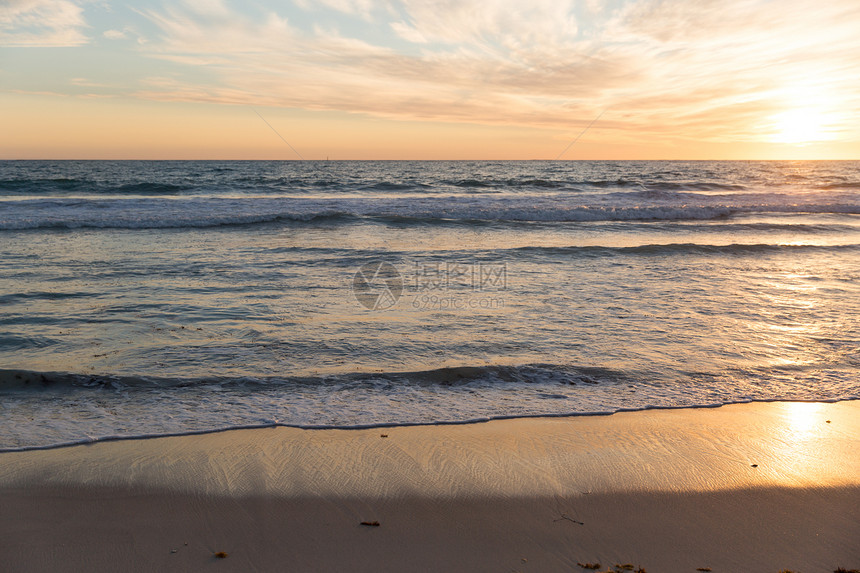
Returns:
(146, 298)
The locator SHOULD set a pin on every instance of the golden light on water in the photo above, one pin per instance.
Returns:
(787, 327)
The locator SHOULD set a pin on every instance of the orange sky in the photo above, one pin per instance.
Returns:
(410, 79)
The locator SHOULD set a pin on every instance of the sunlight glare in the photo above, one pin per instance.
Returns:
(800, 126)
(805, 113)
(803, 418)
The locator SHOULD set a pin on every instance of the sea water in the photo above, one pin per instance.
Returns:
(153, 298)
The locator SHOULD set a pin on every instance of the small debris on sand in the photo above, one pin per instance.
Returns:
(221, 555)
(370, 523)
(589, 565)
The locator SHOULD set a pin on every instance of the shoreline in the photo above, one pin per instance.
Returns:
(389, 425)
(761, 486)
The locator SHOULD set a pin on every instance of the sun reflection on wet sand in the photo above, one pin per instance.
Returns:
(808, 447)
(804, 419)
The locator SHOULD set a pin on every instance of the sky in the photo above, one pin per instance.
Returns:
(420, 79)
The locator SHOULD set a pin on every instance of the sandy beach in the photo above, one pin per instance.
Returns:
(743, 488)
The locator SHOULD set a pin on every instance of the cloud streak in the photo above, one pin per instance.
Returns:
(706, 69)
(41, 24)
(709, 70)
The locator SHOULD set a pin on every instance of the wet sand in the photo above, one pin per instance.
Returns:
(742, 488)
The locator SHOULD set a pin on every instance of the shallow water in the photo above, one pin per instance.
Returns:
(145, 298)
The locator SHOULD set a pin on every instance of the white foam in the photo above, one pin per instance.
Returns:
(143, 213)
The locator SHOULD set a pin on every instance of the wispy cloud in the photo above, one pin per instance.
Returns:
(502, 27)
(717, 70)
(362, 8)
(41, 23)
(705, 69)
(114, 34)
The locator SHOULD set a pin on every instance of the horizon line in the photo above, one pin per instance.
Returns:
(292, 160)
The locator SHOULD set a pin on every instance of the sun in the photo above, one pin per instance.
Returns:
(800, 126)
(806, 112)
